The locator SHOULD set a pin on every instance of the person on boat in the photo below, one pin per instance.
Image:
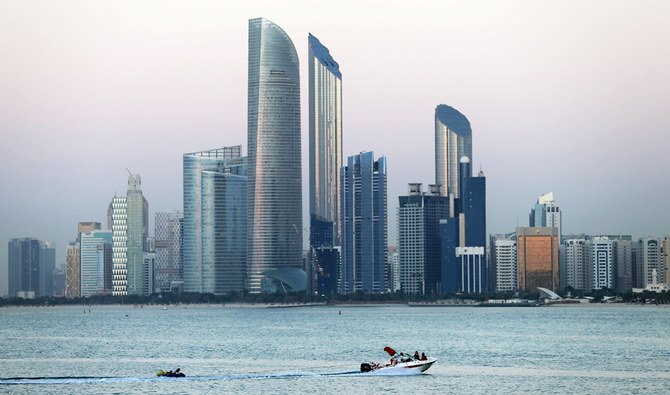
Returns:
(423, 356)
(416, 355)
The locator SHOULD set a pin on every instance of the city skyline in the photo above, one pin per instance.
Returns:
(567, 109)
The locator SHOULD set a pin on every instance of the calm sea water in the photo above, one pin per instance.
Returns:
(600, 349)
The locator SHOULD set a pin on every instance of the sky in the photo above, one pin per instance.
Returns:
(569, 97)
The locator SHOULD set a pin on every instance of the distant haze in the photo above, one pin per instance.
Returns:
(569, 97)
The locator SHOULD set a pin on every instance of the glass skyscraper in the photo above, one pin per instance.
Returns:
(214, 225)
(274, 189)
(94, 246)
(119, 224)
(325, 136)
(31, 263)
(364, 224)
(453, 140)
(168, 233)
(137, 231)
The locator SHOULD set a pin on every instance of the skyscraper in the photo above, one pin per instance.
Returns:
(72, 270)
(168, 233)
(623, 256)
(94, 260)
(325, 136)
(119, 224)
(31, 263)
(137, 231)
(214, 230)
(274, 190)
(464, 264)
(453, 140)
(419, 249)
(364, 224)
(546, 213)
(649, 258)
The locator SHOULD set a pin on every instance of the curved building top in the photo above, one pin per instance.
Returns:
(453, 119)
(321, 52)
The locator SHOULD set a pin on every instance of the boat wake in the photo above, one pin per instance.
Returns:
(69, 380)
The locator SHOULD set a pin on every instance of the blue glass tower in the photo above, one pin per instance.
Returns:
(364, 227)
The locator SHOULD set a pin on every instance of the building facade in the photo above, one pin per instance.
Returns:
(537, 256)
(504, 262)
(95, 261)
(72, 271)
(31, 263)
(214, 244)
(649, 257)
(364, 224)
(453, 140)
(419, 247)
(325, 135)
(274, 190)
(546, 213)
(574, 266)
(119, 223)
(600, 263)
(168, 272)
(137, 231)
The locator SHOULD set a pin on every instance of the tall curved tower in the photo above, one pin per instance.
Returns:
(325, 138)
(274, 190)
(453, 140)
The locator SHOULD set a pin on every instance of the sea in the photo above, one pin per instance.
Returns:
(584, 349)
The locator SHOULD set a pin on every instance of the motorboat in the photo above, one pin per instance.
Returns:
(399, 363)
(169, 373)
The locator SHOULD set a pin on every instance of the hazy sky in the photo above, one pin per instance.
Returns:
(569, 97)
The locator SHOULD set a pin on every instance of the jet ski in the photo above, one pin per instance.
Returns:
(400, 363)
(169, 373)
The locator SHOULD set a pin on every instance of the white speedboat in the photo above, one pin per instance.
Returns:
(410, 367)
(400, 363)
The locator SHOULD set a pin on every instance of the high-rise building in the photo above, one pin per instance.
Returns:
(137, 232)
(214, 233)
(72, 270)
(648, 259)
(31, 263)
(118, 213)
(453, 140)
(623, 258)
(546, 213)
(464, 264)
(600, 263)
(364, 224)
(393, 264)
(274, 186)
(419, 248)
(537, 258)
(325, 136)
(95, 257)
(573, 260)
(504, 262)
(168, 272)
(666, 259)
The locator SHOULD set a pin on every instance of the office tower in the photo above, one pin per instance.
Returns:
(119, 224)
(137, 209)
(538, 258)
(393, 264)
(214, 240)
(464, 263)
(95, 256)
(72, 270)
(546, 213)
(364, 226)
(573, 262)
(326, 267)
(453, 140)
(149, 263)
(31, 263)
(666, 259)
(47, 267)
(274, 190)
(623, 256)
(419, 249)
(325, 136)
(600, 263)
(649, 258)
(504, 262)
(168, 233)
(59, 281)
